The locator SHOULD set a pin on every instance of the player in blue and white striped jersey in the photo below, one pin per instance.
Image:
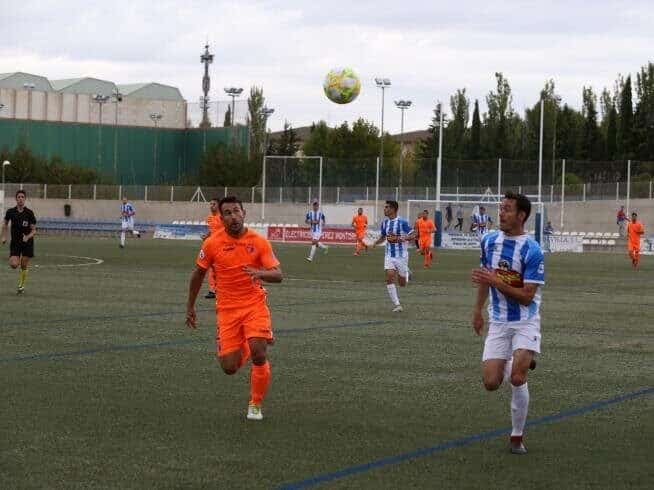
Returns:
(512, 271)
(127, 213)
(316, 220)
(481, 222)
(398, 234)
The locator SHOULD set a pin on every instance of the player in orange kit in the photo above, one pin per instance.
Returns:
(634, 231)
(360, 225)
(242, 260)
(215, 224)
(426, 229)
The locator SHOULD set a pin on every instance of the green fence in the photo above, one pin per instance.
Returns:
(125, 154)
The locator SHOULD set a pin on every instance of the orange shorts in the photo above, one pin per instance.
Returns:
(361, 235)
(236, 325)
(424, 243)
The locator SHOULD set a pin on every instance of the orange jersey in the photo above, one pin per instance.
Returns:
(634, 230)
(360, 223)
(425, 227)
(227, 256)
(215, 224)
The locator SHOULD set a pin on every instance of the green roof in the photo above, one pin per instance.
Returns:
(152, 90)
(17, 79)
(85, 85)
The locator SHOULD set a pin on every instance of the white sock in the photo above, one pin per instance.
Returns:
(122, 238)
(322, 245)
(312, 252)
(519, 408)
(392, 292)
(135, 233)
(508, 367)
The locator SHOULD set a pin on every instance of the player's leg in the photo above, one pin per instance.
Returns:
(24, 262)
(497, 351)
(314, 247)
(258, 331)
(14, 261)
(636, 257)
(231, 344)
(123, 228)
(391, 277)
(402, 268)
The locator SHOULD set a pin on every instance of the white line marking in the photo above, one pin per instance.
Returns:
(93, 261)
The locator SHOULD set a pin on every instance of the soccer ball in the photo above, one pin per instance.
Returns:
(342, 85)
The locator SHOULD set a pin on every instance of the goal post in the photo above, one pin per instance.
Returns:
(290, 172)
(457, 227)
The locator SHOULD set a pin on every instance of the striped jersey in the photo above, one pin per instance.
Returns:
(318, 216)
(127, 211)
(400, 227)
(516, 260)
(482, 221)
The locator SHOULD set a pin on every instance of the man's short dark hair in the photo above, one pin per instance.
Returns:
(522, 203)
(217, 199)
(229, 200)
(634, 213)
(21, 191)
(393, 204)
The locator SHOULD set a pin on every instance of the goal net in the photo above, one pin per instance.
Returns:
(461, 224)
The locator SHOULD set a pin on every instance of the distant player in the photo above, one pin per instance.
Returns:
(426, 229)
(316, 220)
(398, 234)
(215, 224)
(360, 225)
(481, 222)
(127, 213)
(23, 229)
(242, 260)
(416, 231)
(513, 270)
(635, 230)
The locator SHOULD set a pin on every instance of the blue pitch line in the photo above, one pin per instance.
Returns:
(167, 343)
(463, 441)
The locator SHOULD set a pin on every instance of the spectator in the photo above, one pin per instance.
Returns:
(459, 218)
(448, 216)
(621, 221)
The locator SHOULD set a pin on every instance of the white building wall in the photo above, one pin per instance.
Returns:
(80, 108)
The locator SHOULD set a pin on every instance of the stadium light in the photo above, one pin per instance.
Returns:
(100, 99)
(206, 59)
(116, 97)
(29, 87)
(383, 84)
(233, 92)
(156, 117)
(402, 105)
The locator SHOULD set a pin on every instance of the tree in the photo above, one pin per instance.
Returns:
(457, 129)
(228, 117)
(592, 142)
(644, 115)
(625, 121)
(498, 118)
(287, 143)
(474, 151)
(256, 121)
(228, 165)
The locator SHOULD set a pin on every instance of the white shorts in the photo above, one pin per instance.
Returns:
(127, 224)
(504, 338)
(399, 264)
(315, 235)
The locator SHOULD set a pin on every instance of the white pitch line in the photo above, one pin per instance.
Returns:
(93, 261)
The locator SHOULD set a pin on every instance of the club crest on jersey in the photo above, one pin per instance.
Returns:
(508, 276)
(228, 248)
(249, 248)
(25, 224)
(202, 254)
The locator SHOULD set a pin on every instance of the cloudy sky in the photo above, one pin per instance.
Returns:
(427, 48)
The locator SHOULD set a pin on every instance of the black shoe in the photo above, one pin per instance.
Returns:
(210, 295)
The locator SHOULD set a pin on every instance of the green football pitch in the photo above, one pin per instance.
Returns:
(104, 387)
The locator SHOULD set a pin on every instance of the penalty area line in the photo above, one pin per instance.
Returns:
(460, 442)
(91, 261)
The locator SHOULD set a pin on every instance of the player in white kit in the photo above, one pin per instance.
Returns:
(512, 271)
(398, 234)
(481, 222)
(316, 220)
(127, 213)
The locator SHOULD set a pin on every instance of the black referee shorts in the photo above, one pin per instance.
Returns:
(21, 248)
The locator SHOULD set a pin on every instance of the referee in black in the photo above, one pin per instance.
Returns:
(23, 229)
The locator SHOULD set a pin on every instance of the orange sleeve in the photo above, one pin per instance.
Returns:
(206, 255)
(266, 255)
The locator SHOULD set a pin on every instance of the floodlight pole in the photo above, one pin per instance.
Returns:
(100, 99)
(320, 182)
(439, 162)
(156, 117)
(29, 87)
(540, 150)
(383, 84)
(117, 97)
(402, 105)
(374, 215)
(206, 59)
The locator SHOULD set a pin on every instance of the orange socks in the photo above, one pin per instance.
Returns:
(259, 381)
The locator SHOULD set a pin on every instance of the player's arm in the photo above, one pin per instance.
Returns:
(477, 312)
(523, 295)
(5, 224)
(197, 278)
(273, 274)
(308, 220)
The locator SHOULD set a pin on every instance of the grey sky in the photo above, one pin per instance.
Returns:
(427, 48)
